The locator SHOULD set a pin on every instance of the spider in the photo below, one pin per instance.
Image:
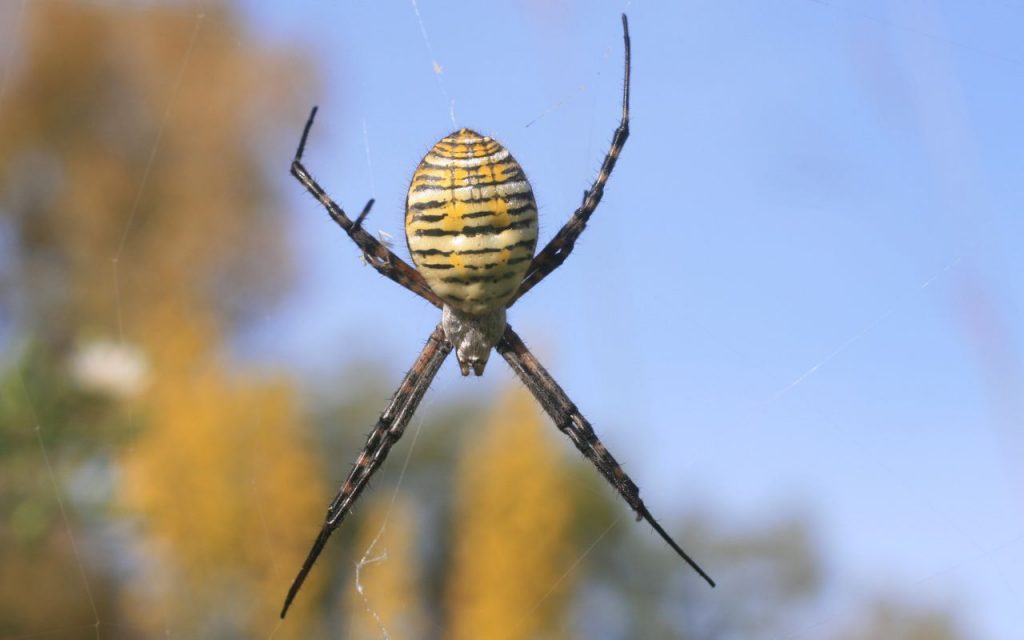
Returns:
(471, 228)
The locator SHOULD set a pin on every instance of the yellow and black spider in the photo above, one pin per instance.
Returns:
(471, 227)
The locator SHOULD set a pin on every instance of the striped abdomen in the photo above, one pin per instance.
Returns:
(471, 222)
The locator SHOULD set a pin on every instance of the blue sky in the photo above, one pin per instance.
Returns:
(802, 289)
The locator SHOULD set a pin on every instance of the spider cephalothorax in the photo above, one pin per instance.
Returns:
(473, 336)
(471, 227)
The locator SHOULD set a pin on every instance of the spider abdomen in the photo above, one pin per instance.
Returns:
(471, 222)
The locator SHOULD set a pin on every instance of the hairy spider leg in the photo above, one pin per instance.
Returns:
(377, 254)
(561, 245)
(389, 428)
(571, 422)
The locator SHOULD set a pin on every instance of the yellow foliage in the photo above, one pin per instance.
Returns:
(226, 492)
(388, 574)
(131, 133)
(135, 131)
(511, 530)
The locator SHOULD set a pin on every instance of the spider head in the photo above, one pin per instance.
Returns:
(473, 336)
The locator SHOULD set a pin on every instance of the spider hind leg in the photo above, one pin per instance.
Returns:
(571, 422)
(389, 428)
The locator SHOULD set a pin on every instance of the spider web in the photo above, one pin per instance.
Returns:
(817, 348)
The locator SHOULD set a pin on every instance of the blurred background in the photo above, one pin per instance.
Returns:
(796, 318)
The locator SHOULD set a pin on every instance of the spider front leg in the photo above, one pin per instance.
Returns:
(389, 428)
(558, 249)
(571, 422)
(377, 254)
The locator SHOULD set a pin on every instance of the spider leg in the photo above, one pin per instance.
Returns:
(377, 254)
(571, 422)
(559, 248)
(385, 434)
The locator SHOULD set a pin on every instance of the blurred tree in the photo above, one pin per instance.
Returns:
(512, 546)
(385, 596)
(635, 587)
(49, 431)
(129, 168)
(142, 233)
(884, 618)
(227, 495)
(768, 572)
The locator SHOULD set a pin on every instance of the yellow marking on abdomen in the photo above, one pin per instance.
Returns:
(471, 222)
